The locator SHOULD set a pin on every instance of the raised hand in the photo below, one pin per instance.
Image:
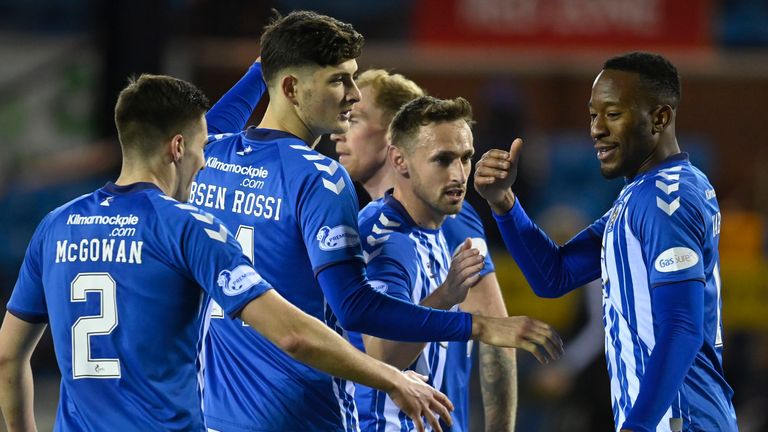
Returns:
(417, 399)
(495, 174)
(462, 275)
(531, 335)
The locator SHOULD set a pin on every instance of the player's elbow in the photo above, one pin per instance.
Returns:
(547, 290)
(293, 344)
(353, 322)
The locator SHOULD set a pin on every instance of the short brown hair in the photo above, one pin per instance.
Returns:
(390, 91)
(304, 38)
(423, 111)
(153, 108)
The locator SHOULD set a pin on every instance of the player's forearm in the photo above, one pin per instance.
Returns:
(498, 384)
(402, 354)
(309, 341)
(361, 309)
(678, 310)
(17, 395)
(551, 270)
(232, 111)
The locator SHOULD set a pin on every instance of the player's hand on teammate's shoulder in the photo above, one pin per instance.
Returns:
(417, 399)
(529, 334)
(495, 173)
(463, 274)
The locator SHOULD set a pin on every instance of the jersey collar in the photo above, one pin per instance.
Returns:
(114, 189)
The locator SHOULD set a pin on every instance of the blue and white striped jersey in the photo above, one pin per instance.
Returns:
(663, 228)
(118, 274)
(409, 262)
(294, 211)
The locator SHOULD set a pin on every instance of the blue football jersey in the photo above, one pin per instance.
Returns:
(118, 274)
(409, 262)
(294, 211)
(663, 228)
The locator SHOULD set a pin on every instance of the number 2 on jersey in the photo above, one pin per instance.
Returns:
(83, 366)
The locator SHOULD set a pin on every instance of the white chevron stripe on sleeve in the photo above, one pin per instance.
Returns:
(221, 235)
(672, 169)
(368, 257)
(667, 188)
(330, 169)
(203, 217)
(167, 198)
(188, 207)
(373, 241)
(314, 157)
(379, 231)
(668, 208)
(670, 177)
(388, 223)
(334, 187)
(300, 147)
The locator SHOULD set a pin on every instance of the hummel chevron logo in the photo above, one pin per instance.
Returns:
(245, 151)
(388, 223)
(368, 257)
(330, 169)
(670, 177)
(379, 231)
(667, 189)
(314, 157)
(672, 169)
(334, 187)
(221, 235)
(221, 135)
(207, 218)
(668, 208)
(188, 207)
(299, 147)
(106, 202)
(373, 241)
(167, 198)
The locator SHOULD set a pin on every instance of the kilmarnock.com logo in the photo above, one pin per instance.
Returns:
(248, 170)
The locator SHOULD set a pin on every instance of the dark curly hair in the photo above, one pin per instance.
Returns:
(307, 38)
(657, 73)
(423, 111)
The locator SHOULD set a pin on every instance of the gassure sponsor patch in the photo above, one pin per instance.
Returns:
(676, 258)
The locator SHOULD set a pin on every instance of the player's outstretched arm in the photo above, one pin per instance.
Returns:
(18, 340)
(551, 270)
(310, 341)
(531, 335)
(462, 275)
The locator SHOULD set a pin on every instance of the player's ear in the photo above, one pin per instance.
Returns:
(177, 147)
(661, 116)
(289, 87)
(396, 158)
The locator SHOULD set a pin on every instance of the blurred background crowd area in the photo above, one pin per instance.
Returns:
(525, 65)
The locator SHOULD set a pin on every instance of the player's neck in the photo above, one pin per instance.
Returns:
(422, 214)
(382, 181)
(131, 174)
(285, 119)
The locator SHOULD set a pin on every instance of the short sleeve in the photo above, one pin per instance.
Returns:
(671, 236)
(28, 298)
(216, 261)
(327, 213)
